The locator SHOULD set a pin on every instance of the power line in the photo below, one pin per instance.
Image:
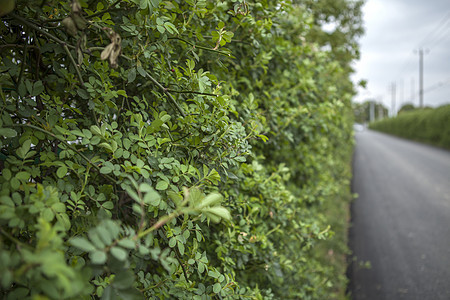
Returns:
(431, 35)
(439, 38)
(435, 86)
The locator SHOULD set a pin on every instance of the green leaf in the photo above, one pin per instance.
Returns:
(152, 198)
(220, 212)
(25, 147)
(24, 176)
(29, 86)
(7, 174)
(48, 214)
(172, 242)
(127, 243)
(160, 28)
(87, 133)
(170, 28)
(201, 267)
(98, 257)
(83, 94)
(212, 199)
(180, 247)
(131, 75)
(155, 3)
(38, 88)
(59, 207)
(175, 197)
(162, 185)
(108, 205)
(8, 132)
(105, 170)
(141, 71)
(82, 244)
(119, 253)
(124, 280)
(61, 172)
(15, 183)
(64, 220)
(217, 288)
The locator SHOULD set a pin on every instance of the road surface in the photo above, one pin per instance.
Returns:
(401, 220)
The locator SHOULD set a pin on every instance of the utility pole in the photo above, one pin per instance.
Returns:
(413, 90)
(393, 91)
(401, 98)
(421, 77)
(421, 53)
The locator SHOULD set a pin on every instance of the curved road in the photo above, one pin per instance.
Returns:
(401, 220)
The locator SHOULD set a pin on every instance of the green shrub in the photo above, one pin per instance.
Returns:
(427, 125)
(173, 150)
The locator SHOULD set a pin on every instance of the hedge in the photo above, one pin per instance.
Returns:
(428, 125)
(173, 150)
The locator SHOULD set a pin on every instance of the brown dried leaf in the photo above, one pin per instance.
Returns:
(107, 51)
(113, 50)
(76, 7)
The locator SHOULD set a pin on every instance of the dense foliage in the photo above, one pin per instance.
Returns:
(174, 149)
(427, 125)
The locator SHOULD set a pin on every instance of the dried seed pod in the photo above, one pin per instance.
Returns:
(70, 26)
(113, 50)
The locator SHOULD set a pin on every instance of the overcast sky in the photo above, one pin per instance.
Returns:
(394, 30)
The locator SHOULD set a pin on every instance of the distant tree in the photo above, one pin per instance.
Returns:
(346, 15)
(406, 107)
(361, 111)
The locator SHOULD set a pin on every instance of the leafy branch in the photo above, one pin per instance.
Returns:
(201, 47)
(193, 92)
(68, 145)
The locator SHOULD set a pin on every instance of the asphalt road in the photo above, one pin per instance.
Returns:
(401, 220)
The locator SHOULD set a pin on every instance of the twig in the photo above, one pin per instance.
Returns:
(29, 24)
(110, 8)
(18, 46)
(13, 239)
(178, 256)
(160, 223)
(56, 39)
(200, 47)
(193, 92)
(166, 91)
(24, 58)
(74, 64)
